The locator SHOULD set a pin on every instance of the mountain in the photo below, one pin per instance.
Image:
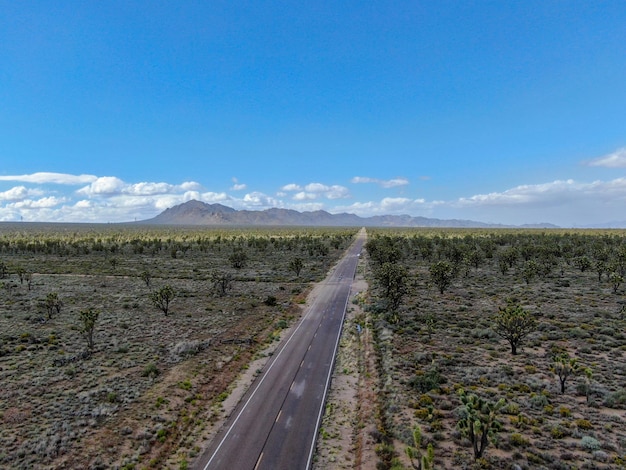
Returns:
(200, 213)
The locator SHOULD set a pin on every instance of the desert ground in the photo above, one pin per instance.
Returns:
(155, 386)
(421, 332)
(436, 339)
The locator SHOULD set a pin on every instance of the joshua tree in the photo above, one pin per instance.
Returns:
(588, 378)
(296, 266)
(419, 461)
(475, 258)
(479, 424)
(88, 319)
(222, 282)
(146, 277)
(442, 273)
(52, 304)
(21, 273)
(513, 323)
(530, 270)
(601, 268)
(238, 259)
(392, 278)
(583, 263)
(161, 298)
(565, 367)
(616, 280)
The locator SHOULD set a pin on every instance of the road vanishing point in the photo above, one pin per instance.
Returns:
(275, 425)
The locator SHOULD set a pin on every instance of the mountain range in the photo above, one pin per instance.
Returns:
(199, 213)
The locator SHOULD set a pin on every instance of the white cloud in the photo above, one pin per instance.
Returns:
(44, 202)
(110, 199)
(314, 191)
(213, 198)
(303, 196)
(562, 202)
(363, 179)
(387, 206)
(105, 185)
(392, 183)
(257, 200)
(291, 187)
(83, 204)
(316, 187)
(46, 177)
(237, 186)
(546, 193)
(111, 186)
(19, 193)
(616, 159)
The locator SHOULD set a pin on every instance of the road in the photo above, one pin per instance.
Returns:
(275, 425)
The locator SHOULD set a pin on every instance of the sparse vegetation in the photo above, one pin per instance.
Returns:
(148, 373)
(564, 305)
(66, 403)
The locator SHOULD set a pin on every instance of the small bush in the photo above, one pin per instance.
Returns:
(517, 440)
(583, 424)
(270, 301)
(428, 381)
(616, 399)
(559, 432)
(161, 435)
(151, 370)
(539, 401)
(589, 443)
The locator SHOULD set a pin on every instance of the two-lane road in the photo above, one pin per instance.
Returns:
(275, 424)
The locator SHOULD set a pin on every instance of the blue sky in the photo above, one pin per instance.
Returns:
(507, 112)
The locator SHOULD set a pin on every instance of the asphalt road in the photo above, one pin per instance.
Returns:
(275, 425)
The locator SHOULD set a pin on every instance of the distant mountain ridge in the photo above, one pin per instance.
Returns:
(199, 213)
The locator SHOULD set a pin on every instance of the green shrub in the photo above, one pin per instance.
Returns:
(589, 443)
(161, 435)
(583, 424)
(517, 440)
(428, 381)
(151, 370)
(559, 432)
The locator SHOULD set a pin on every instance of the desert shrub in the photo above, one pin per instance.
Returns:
(564, 411)
(517, 440)
(583, 424)
(616, 399)
(270, 301)
(559, 432)
(511, 409)
(589, 443)
(425, 400)
(428, 381)
(151, 370)
(600, 455)
(188, 348)
(422, 413)
(539, 401)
